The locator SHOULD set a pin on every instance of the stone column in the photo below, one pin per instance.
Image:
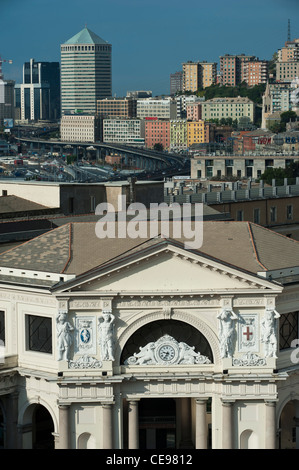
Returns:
(133, 423)
(227, 424)
(64, 427)
(185, 409)
(107, 426)
(12, 432)
(270, 426)
(201, 427)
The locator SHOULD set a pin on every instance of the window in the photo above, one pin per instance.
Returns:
(256, 216)
(289, 212)
(240, 215)
(39, 334)
(288, 329)
(273, 214)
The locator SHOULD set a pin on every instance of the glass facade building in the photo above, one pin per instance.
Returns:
(38, 97)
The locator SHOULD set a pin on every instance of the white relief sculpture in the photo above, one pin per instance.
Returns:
(249, 359)
(226, 331)
(64, 336)
(166, 350)
(268, 332)
(106, 329)
(85, 362)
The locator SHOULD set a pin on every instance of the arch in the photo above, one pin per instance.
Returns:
(86, 441)
(287, 425)
(181, 316)
(249, 440)
(26, 412)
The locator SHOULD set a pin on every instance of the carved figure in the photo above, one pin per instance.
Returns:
(145, 354)
(189, 356)
(268, 332)
(64, 336)
(106, 328)
(226, 331)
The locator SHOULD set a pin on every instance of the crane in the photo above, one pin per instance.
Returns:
(1, 62)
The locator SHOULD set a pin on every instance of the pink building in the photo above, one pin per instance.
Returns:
(156, 131)
(193, 111)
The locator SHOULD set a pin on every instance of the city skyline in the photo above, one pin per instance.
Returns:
(149, 42)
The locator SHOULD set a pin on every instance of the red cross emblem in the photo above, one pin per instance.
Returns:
(247, 333)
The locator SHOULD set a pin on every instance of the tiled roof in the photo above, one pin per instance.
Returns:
(74, 248)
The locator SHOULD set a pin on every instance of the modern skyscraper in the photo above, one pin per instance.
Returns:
(85, 72)
(38, 97)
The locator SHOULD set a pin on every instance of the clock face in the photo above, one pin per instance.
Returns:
(166, 352)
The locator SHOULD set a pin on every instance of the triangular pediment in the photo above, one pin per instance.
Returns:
(169, 269)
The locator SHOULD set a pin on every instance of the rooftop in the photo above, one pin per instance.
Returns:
(74, 248)
(86, 37)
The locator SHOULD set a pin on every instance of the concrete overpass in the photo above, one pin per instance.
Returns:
(133, 157)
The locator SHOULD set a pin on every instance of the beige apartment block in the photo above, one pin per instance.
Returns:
(234, 108)
(79, 128)
(198, 75)
(287, 71)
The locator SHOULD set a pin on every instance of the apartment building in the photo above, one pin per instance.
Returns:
(289, 52)
(287, 71)
(121, 107)
(193, 111)
(198, 132)
(79, 128)
(198, 75)
(232, 70)
(156, 131)
(176, 82)
(178, 135)
(255, 72)
(234, 108)
(126, 131)
(160, 108)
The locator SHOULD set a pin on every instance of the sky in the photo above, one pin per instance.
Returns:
(150, 38)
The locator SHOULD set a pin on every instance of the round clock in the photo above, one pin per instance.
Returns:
(166, 352)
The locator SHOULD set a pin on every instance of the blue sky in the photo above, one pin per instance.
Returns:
(150, 38)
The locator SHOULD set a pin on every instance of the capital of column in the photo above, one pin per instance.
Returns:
(227, 402)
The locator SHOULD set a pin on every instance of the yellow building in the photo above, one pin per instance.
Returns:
(198, 75)
(198, 132)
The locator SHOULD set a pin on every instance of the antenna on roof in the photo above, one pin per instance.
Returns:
(289, 30)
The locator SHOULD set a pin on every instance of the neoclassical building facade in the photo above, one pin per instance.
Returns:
(144, 344)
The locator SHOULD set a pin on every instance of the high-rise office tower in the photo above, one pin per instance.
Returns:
(38, 97)
(85, 72)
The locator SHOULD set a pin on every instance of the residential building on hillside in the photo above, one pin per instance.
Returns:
(255, 72)
(198, 75)
(232, 68)
(86, 74)
(287, 71)
(38, 97)
(289, 52)
(234, 108)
